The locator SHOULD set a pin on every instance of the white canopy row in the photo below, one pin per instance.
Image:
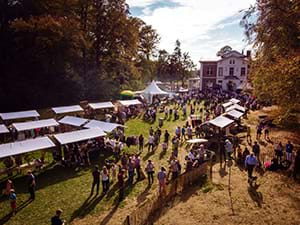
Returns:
(19, 115)
(74, 121)
(101, 105)
(80, 135)
(3, 129)
(67, 109)
(130, 102)
(35, 124)
(235, 114)
(106, 127)
(221, 121)
(20, 147)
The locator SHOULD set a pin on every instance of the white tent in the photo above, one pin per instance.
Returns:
(80, 135)
(19, 147)
(152, 90)
(227, 104)
(101, 105)
(19, 115)
(73, 121)
(3, 129)
(35, 124)
(236, 107)
(130, 102)
(235, 114)
(235, 101)
(106, 127)
(67, 109)
(221, 121)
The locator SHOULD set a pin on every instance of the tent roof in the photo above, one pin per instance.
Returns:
(235, 101)
(80, 135)
(19, 115)
(106, 127)
(67, 109)
(19, 147)
(72, 120)
(101, 105)
(227, 104)
(236, 107)
(35, 124)
(235, 114)
(130, 102)
(221, 121)
(153, 89)
(3, 129)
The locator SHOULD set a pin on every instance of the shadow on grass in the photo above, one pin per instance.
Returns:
(162, 154)
(143, 196)
(148, 155)
(255, 195)
(6, 218)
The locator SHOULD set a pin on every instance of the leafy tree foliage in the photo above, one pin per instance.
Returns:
(273, 27)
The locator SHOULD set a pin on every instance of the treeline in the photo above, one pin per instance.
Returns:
(57, 52)
(273, 27)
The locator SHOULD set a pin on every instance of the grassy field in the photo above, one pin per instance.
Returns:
(64, 188)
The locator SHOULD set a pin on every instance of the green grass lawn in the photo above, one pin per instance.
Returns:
(64, 188)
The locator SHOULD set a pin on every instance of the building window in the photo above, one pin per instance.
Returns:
(220, 71)
(233, 61)
(209, 71)
(230, 61)
(220, 81)
(231, 71)
(243, 71)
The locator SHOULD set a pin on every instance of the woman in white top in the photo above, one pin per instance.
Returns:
(105, 179)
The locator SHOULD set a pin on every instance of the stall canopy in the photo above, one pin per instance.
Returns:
(235, 114)
(3, 129)
(106, 127)
(152, 90)
(236, 107)
(20, 147)
(19, 115)
(197, 141)
(67, 109)
(80, 135)
(227, 104)
(130, 102)
(35, 124)
(101, 105)
(73, 121)
(221, 121)
(235, 101)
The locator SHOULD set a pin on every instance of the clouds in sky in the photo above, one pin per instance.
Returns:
(202, 26)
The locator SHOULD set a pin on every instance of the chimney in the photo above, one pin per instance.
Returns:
(248, 54)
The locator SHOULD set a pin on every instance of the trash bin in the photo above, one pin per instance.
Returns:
(161, 122)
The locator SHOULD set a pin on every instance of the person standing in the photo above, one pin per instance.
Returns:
(267, 133)
(162, 178)
(96, 180)
(137, 162)
(250, 163)
(121, 183)
(249, 134)
(256, 150)
(31, 185)
(105, 179)
(56, 220)
(151, 143)
(289, 151)
(141, 143)
(183, 133)
(131, 166)
(13, 201)
(228, 148)
(150, 172)
(166, 137)
(189, 132)
(279, 152)
(258, 131)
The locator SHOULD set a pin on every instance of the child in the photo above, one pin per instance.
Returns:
(13, 201)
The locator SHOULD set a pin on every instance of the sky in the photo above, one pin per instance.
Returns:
(202, 26)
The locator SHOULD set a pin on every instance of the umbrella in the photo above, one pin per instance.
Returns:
(127, 93)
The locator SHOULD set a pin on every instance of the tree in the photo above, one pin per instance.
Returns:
(224, 50)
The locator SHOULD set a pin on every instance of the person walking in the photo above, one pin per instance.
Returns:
(279, 152)
(250, 163)
(189, 132)
(151, 143)
(228, 148)
(131, 166)
(141, 143)
(31, 185)
(150, 172)
(13, 201)
(256, 150)
(121, 183)
(137, 162)
(105, 179)
(289, 151)
(162, 178)
(96, 180)
(249, 140)
(56, 220)
(166, 137)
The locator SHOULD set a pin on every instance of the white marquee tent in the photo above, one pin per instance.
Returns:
(35, 124)
(67, 109)
(73, 121)
(151, 91)
(235, 114)
(3, 129)
(236, 107)
(221, 121)
(106, 127)
(130, 102)
(20, 147)
(19, 115)
(101, 105)
(235, 101)
(80, 135)
(227, 104)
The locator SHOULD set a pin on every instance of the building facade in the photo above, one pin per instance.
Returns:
(229, 72)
